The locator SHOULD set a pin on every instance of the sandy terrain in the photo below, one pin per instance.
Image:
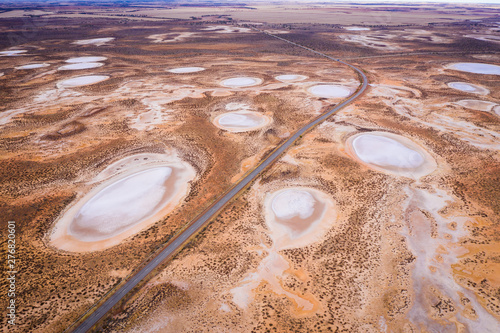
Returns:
(382, 219)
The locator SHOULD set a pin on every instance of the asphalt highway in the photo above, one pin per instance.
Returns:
(177, 243)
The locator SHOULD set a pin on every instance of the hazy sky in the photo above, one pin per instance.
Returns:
(405, 1)
(305, 1)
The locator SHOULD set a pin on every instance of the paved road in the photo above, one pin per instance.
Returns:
(171, 248)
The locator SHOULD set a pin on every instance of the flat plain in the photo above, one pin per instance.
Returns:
(119, 125)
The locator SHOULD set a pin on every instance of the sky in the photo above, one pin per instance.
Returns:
(305, 1)
(405, 1)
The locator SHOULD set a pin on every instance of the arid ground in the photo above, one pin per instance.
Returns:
(119, 125)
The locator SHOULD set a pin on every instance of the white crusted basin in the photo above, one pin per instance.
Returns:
(80, 65)
(237, 82)
(475, 67)
(329, 91)
(182, 70)
(82, 81)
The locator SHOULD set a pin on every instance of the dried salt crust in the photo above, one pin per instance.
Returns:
(475, 67)
(298, 216)
(33, 66)
(80, 65)
(225, 29)
(241, 121)
(477, 105)
(122, 205)
(82, 81)
(390, 153)
(85, 59)
(290, 77)
(94, 41)
(329, 91)
(356, 28)
(243, 81)
(469, 87)
(182, 70)
(12, 53)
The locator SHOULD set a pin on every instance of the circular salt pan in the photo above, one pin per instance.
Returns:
(298, 216)
(477, 105)
(329, 91)
(293, 204)
(468, 87)
(182, 70)
(356, 28)
(122, 204)
(94, 41)
(134, 193)
(241, 121)
(12, 53)
(391, 153)
(82, 81)
(290, 77)
(32, 66)
(237, 82)
(80, 65)
(85, 59)
(476, 68)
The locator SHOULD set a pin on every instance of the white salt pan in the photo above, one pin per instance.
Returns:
(181, 70)
(121, 205)
(299, 216)
(476, 68)
(290, 77)
(292, 203)
(32, 66)
(468, 87)
(384, 152)
(477, 105)
(94, 41)
(85, 59)
(391, 153)
(81, 65)
(329, 91)
(241, 121)
(133, 193)
(82, 81)
(12, 53)
(237, 82)
(356, 28)
(496, 109)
